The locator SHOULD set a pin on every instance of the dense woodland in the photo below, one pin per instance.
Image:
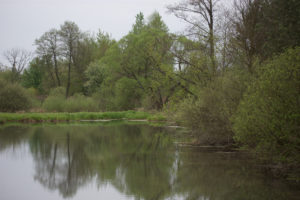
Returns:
(232, 76)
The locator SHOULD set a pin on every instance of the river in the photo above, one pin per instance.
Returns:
(122, 161)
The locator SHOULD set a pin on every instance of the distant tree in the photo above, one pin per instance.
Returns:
(48, 47)
(247, 36)
(70, 36)
(90, 49)
(33, 75)
(95, 76)
(139, 23)
(265, 27)
(18, 60)
(200, 15)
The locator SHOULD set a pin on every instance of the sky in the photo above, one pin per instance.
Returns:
(23, 21)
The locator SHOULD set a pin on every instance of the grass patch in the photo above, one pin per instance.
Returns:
(157, 117)
(56, 117)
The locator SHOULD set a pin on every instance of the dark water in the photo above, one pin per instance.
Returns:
(122, 161)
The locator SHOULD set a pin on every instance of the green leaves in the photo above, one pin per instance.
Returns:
(268, 117)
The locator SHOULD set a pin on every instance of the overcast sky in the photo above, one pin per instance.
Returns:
(22, 21)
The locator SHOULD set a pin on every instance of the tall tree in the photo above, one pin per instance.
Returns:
(139, 23)
(247, 35)
(48, 46)
(265, 27)
(200, 15)
(70, 36)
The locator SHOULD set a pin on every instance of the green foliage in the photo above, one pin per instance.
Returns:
(136, 71)
(32, 77)
(268, 117)
(6, 75)
(56, 102)
(80, 103)
(209, 115)
(35, 98)
(13, 97)
(157, 117)
(95, 77)
(127, 94)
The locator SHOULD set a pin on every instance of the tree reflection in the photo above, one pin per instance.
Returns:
(132, 158)
(60, 162)
(140, 161)
(12, 136)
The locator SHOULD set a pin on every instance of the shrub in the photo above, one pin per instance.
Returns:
(209, 115)
(56, 102)
(13, 97)
(34, 100)
(127, 94)
(58, 92)
(268, 117)
(79, 103)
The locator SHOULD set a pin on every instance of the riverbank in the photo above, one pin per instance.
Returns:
(63, 117)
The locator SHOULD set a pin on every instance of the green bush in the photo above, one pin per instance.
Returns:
(79, 103)
(127, 94)
(58, 92)
(268, 117)
(33, 94)
(13, 97)
(209, 115)
(56, 102)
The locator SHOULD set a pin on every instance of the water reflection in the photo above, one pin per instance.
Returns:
(138, 160)
(134, 159)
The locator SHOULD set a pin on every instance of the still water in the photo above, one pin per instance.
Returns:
(124, 161)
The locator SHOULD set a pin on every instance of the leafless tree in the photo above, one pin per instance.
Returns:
(225, 32)
(18, 60)
(200, 15)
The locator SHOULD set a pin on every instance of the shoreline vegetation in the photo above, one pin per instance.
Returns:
(79, 116)
(222, 79)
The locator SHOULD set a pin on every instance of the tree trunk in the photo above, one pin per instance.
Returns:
(211, 38)
(69, 77)
(56, 69)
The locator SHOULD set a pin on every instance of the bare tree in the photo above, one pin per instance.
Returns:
(200, 15)
(18, 60)
(48, 46)
(225, 32)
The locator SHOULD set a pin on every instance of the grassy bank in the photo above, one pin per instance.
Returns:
(61, 117)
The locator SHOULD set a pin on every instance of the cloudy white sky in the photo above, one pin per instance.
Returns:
(22, 21)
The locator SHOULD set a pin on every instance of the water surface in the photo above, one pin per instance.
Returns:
(124, 161)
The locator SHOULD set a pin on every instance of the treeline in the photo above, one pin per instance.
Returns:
(232, 76)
